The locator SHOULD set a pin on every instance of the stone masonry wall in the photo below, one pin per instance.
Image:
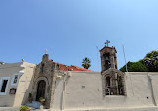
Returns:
(46, 70)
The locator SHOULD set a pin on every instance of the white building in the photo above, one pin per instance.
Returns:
(73, 88)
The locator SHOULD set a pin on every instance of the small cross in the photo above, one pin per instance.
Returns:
(107, 42)
(46, 51)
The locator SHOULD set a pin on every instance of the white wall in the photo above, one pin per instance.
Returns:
(138, 87)
(25, 84)
(154, 83)
(8, 70)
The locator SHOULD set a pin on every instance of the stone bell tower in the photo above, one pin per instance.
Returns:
(112, 79)
(108, 57)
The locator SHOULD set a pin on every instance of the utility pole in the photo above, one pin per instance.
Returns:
(97, 57)
(125, 58)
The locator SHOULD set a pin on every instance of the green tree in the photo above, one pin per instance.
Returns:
(151, 61)
(134, 67)
(86, 63)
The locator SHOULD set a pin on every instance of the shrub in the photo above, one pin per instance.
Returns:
(151, 61)
(24, 108)
(41, 99)
(134, 67)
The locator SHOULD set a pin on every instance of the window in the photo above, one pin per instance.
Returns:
(108, 81)
(4, 85)
(107, 61)
(15, 79)
(107, 90)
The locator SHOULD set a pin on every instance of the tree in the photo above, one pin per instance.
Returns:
(134, 67)
(151, 61)
(86, 63)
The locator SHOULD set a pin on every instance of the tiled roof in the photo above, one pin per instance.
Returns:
(108, 47)
(1, 62)
(72, 68)
(68, 68)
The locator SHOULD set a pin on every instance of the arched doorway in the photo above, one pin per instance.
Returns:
(40, 89)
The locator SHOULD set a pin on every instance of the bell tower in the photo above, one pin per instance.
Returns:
(108, 57)
(112, 78)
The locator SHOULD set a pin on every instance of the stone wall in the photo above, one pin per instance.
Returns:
(113, 58)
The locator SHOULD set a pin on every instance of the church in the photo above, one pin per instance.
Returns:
(74, 88)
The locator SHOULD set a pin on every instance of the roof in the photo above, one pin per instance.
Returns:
(108, 47)
(72, 68)
(68, 68)
(1, 62)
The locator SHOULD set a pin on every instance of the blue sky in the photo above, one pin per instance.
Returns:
(71, 29)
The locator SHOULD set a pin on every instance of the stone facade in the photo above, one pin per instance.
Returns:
(116, 83)
(112, 79)
(108, 58)
(45, 71)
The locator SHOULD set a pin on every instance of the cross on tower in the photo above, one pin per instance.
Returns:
(106, 43)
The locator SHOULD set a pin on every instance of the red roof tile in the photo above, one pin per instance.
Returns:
(108, 47)
(66, 68)
(72, 67)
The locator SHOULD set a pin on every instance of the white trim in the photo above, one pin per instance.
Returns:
(21, 72)
(13, 77)
(22, 65)
(6, 89)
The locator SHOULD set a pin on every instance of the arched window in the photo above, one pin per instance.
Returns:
(114, 84)
(107, 81)
(107, 85)
(107, 61)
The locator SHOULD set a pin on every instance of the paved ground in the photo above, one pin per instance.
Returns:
(114, 109)
(14, 109)
(9, 109)
(122, 109)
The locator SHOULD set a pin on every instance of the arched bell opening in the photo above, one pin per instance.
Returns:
(113, 82)
(107, 85)
(120, 85)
